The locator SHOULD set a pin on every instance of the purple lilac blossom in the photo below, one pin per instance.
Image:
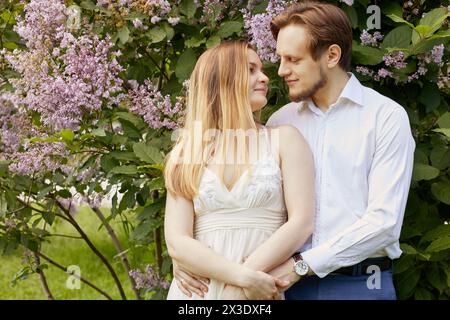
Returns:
(156, 109)
(258, 29)
(395, 60)
(371, 40)
(149, 279)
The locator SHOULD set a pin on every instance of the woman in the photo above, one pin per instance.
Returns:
(225, 218)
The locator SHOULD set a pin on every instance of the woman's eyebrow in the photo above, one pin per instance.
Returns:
(255, 65)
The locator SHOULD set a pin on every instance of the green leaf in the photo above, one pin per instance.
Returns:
(424, 172)
(185, 64)
(128, 200)
(130, 129)
(124, 34)
(407, 281)
(5, 15)
(434, 17)
(29, 243)
(423, 31)
(49, 139)
(142, 196)
(423, 294)
(168, 30)
(135, 15)
(134, 119)
(130, 169)
(88, 4)
(107, 162)
(114, 210)
(67, 135)
(396, 18)
(425, 45)
(23, 274)
(11, 36)
(407, 249)
(195, 41)
(10, 45)
(441, 231)
(228, 28)
(420, 157)
(188, 8)
(440, 157)
(64, 193)
(158, 166)
(156, 34)
(430, 96)
(399, 37)
(147, 153)
(156, 184)
(123, 155)
(43, 192)
(213, 41)
(393, 8)
(49, 217)
(441, 190)
(444, 120)
(447, 272)
(367, 55)
(444, 131)
(439, 245)
(149, 211)
(98, 132)
(352, 15)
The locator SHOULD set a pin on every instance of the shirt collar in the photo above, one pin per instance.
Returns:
(352, 91)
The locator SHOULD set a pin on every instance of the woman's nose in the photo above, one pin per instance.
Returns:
(264, 78)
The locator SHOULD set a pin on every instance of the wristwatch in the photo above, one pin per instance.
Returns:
(300, 266)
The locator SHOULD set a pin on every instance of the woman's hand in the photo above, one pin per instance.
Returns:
(261, 286)
(231, 292)
(189, 283)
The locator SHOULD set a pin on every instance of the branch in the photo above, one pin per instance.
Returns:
(119, 249)
(93, 248)
(64, 235)
(157, 237)
(42, 278)
(79, 277)
(157, 66)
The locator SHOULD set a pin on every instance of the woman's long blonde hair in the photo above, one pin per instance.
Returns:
(218, 99)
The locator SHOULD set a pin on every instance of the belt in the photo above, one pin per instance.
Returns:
(364, 267)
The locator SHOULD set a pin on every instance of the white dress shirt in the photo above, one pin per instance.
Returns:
(363, 151)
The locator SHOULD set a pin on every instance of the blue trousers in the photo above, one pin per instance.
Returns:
(343, 287)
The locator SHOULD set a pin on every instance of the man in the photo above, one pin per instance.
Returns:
(363, 151)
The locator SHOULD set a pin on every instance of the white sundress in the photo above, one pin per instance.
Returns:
(235, 222)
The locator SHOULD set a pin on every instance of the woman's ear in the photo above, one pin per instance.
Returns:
(333, 55)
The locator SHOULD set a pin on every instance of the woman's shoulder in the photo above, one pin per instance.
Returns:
(289, 139)
(286, 131)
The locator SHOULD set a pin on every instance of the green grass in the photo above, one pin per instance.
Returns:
(68, 251)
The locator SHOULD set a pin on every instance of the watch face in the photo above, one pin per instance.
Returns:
(301, 268)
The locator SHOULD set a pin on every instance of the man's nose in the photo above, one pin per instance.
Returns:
(282, 70)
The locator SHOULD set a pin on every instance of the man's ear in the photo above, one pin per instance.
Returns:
(333, 55)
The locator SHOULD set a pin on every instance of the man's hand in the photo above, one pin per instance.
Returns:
(188, 282)
(231, 292)
(285, 271)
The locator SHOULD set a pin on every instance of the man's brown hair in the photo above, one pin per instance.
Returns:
(326, 25)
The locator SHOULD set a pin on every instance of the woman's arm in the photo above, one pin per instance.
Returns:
(197, 258)
(297, 167)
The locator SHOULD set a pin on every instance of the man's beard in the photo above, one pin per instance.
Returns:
(308, 93)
